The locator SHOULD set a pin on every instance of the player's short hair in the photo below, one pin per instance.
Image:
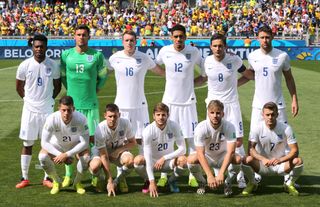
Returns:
(271, 106)
(216, 103)
(112, 108)
(178, 27)
(37, 37)
(83, 26)
(66, 100)
(130, 32)
(266, 29)
(161, 107)
(219, 36)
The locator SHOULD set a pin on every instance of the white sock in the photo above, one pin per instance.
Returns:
(82, 165)
(141, 170)
(164, 175)
(119, 171)
(232, 172)
(45, 175)
(249, 173)
(124, 172)
(195, 169)
(78, 178)
(178, 171)
(240, 174)
(48, 166)
(25, 164)
(295, 174)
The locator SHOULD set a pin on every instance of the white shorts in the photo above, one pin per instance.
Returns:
(185, 116)
(256, 117)
(31, 124)
(168, 166)
(272, 170)
(96, 155)
(232, 113)
(139, 119)
(215, 164)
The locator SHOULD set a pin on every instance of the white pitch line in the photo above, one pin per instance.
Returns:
(9, 68)
(111, 96)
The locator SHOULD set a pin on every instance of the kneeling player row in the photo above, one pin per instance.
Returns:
(65, 135)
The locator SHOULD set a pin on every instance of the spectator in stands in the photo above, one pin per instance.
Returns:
(247, 42)
(239, 18)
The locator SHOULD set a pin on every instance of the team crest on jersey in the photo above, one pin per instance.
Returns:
(86, 127)
(73, 129)
(280, 136)
(90, 58)
(274, 61)
(229, 65)
(48, 71)
(170, 135)
(138, 60)
(188, 56)
(121, 133)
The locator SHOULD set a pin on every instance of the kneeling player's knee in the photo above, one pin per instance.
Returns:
(237, 160)
(43, 157)
(94, 165)
(247, 160)
(126, 159)
(192, 159)
(297, 161)
(181, 161)
(139, 160)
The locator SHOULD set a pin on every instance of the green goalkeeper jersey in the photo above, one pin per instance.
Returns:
(82, 74)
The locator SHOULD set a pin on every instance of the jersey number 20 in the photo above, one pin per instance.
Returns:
(163, 146)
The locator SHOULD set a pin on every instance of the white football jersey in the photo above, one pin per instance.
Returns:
(214, 140)
(272, 143)
(38, 86)
(180, 66)
(223, 78)
(130, 72)
(65, 137)
(268, 70)
(159, 143)
(162, 141)
(113, 139)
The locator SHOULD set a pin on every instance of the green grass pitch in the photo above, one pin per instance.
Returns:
(270, 193)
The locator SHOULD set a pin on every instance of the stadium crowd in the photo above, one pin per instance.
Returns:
(155, 18)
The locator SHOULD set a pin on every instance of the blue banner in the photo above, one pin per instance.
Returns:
(158, 42)
(304, 53)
